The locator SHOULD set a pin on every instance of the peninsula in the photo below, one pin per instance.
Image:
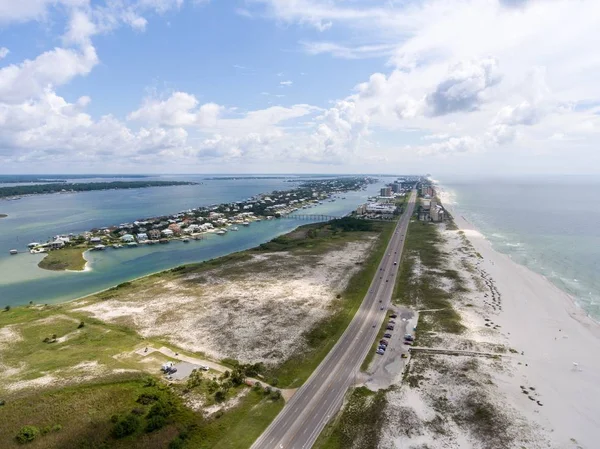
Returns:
(66, 251)
(60, 187)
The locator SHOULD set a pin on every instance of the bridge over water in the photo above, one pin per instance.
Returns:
(324, 217)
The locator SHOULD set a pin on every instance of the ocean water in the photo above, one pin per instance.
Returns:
(549, 224)
(38, 218)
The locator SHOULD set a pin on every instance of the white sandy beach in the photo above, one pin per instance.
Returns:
(553, 333)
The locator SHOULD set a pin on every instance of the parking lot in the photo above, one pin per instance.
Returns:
(387, 368)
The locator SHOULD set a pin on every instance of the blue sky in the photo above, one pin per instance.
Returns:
(299, 85)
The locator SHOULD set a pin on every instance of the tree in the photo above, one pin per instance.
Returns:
(7, 308)
(27, 434)
(82, 324)
(220, 396)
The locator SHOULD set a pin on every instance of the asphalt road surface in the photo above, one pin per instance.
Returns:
(318, 400)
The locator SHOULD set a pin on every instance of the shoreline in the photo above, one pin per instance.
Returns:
(558, 343)
(579, 311)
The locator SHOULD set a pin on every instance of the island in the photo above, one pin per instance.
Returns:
(3, 215)
(60, 187)
(65, 252)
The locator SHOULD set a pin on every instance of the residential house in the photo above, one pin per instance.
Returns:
(142, 236)
(128, 238)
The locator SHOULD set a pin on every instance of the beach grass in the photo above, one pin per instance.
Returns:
(50, 340)
(358, 425)
(64, 259)
(422, 280)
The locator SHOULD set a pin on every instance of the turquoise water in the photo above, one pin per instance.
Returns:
(37, 218)
(551, 225)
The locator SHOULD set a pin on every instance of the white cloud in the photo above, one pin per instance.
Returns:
(56, 67)
(464, 87)
(4, 52)
(286, 83)
(348, 52)
(180, 109)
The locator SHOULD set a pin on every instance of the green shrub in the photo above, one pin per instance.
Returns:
(27, 434)
(126, 426)
(82, 324)
(220, 396)
(155, 422)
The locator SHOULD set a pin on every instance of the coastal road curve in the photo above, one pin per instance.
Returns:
(318, 400)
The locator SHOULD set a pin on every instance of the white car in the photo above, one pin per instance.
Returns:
(203, 367)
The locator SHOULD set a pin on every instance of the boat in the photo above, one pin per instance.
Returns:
(235, 228)
(117, 246)
(132, 244)
(13, 251)
(185, 240)
(246, 223)
(221, 232)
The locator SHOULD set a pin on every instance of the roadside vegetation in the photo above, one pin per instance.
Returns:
(426, 284)
(358, 425)
(64, 259)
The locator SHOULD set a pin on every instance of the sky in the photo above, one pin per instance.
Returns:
(300, 86)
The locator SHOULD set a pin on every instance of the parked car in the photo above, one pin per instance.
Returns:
(391, 322)
(408, 342)
(203, 367)
(387, 335)
(393, 315)
(390, 327)
(409, 337)
(395, 263)
(383, 342)
(382, 308)
(380, 352)
(381, 348)
(404, 355)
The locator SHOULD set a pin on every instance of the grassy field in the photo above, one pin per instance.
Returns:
(423, 291)
(323, 337)
(64, 259)
(358, 426)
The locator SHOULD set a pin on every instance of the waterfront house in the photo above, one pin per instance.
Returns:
(167, 232)
(142, 236)
(154, 234)
(175, 228)
(127, 238)
(56, 244)
(95, 240)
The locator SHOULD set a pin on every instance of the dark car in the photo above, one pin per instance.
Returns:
(391, 322)
(382, 308)
(408, 342)
(390, 327)
(383, 342)
(393, 315)
(380, 352)
(381, 348)
(387, 335)
(409, 337)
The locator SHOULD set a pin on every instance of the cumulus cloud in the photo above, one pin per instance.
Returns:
(464, 87)
(286, 83)
(56, 67)
(4, 52)
(180, 109)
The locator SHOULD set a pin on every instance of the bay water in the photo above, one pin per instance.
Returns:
(38, 218)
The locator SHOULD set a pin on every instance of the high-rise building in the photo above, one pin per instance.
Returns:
(385, 191)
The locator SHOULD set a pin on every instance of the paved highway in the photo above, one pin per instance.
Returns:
(318, 400)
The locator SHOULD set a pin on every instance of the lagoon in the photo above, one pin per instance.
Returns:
(38, 218)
